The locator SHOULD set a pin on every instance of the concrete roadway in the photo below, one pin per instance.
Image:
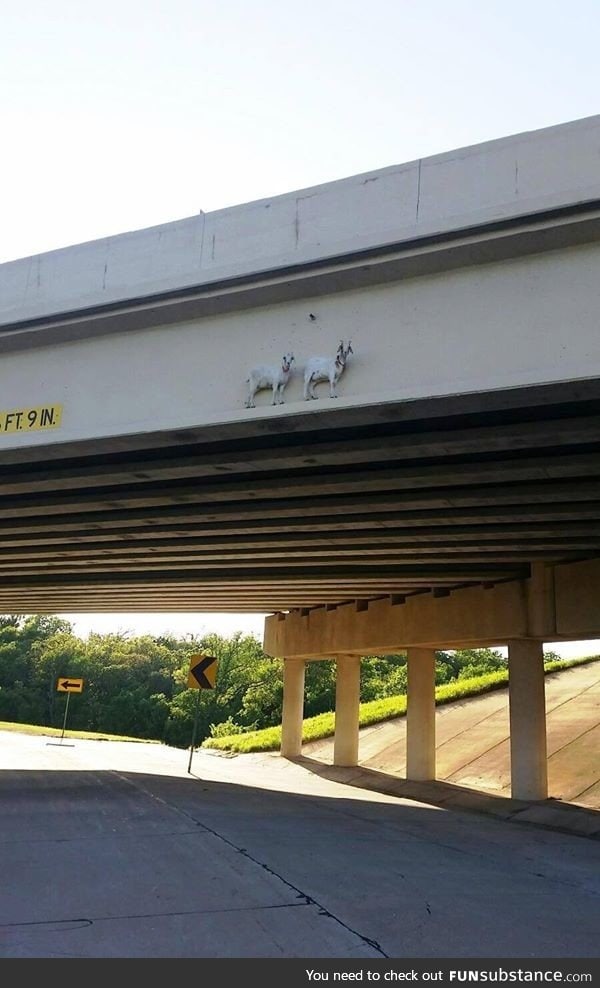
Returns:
(111, 849)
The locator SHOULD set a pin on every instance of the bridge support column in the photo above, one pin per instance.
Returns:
(347, 700)
(420, 715)
(293, 707)
(526, 690)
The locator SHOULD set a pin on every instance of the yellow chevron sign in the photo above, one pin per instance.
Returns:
(68, 684)
(203, 672)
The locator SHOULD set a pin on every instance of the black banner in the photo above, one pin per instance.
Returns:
(302, 973)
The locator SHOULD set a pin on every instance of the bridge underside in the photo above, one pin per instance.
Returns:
(401, 516)
(278, 514)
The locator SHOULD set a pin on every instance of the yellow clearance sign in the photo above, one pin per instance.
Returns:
(68, 684)
(31, 419)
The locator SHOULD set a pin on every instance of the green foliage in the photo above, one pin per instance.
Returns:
(55, 732)
(376, 711)
(227, 728)
(382, 675)
(137, 686)
(319, 689)
(134, 686)
(467, 663)
(268, 739)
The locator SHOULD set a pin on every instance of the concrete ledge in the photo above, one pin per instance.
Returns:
(473, 615)
(516, 176)
(555, 603)
(564, 817)
(550, 814)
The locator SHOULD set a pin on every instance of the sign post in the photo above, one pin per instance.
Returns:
(68, 685)
(65, 720)
(202, 676)
(194, 731)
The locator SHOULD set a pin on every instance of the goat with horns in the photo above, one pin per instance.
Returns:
(326, 369)
(267, 376)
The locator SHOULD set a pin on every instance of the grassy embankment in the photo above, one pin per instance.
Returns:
(323, 726)
(55, 732)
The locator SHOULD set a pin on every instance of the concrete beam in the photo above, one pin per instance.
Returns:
(577, 599)
(528, 752)
(293, 708)
(557, 603)
(347, 703)
(402, 203)
(420, 715)
(466, 617)
(541, 605)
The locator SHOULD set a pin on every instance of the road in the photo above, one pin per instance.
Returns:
(111, 849)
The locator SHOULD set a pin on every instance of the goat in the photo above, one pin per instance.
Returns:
(326, 369)
(267, 376)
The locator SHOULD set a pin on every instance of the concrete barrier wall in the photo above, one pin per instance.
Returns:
(524, 321)
(497, 180)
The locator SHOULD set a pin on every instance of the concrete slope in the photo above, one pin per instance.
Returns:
(473, 740)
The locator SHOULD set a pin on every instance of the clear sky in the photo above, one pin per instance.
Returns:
(162, 624)
(127, 113)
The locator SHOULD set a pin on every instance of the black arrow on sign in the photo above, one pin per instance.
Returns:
(198, 671)
(65, 682)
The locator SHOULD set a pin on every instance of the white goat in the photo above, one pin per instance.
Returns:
(326, 369)
(267, 376)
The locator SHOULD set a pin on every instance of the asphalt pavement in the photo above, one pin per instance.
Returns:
(111, 849)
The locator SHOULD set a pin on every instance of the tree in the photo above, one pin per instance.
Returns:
(137, 686)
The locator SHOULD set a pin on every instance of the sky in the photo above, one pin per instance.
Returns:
(130, 113)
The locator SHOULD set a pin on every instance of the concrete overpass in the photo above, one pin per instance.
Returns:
(449, 495)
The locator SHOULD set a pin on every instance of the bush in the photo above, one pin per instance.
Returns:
(225, 729)
(375, 711)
